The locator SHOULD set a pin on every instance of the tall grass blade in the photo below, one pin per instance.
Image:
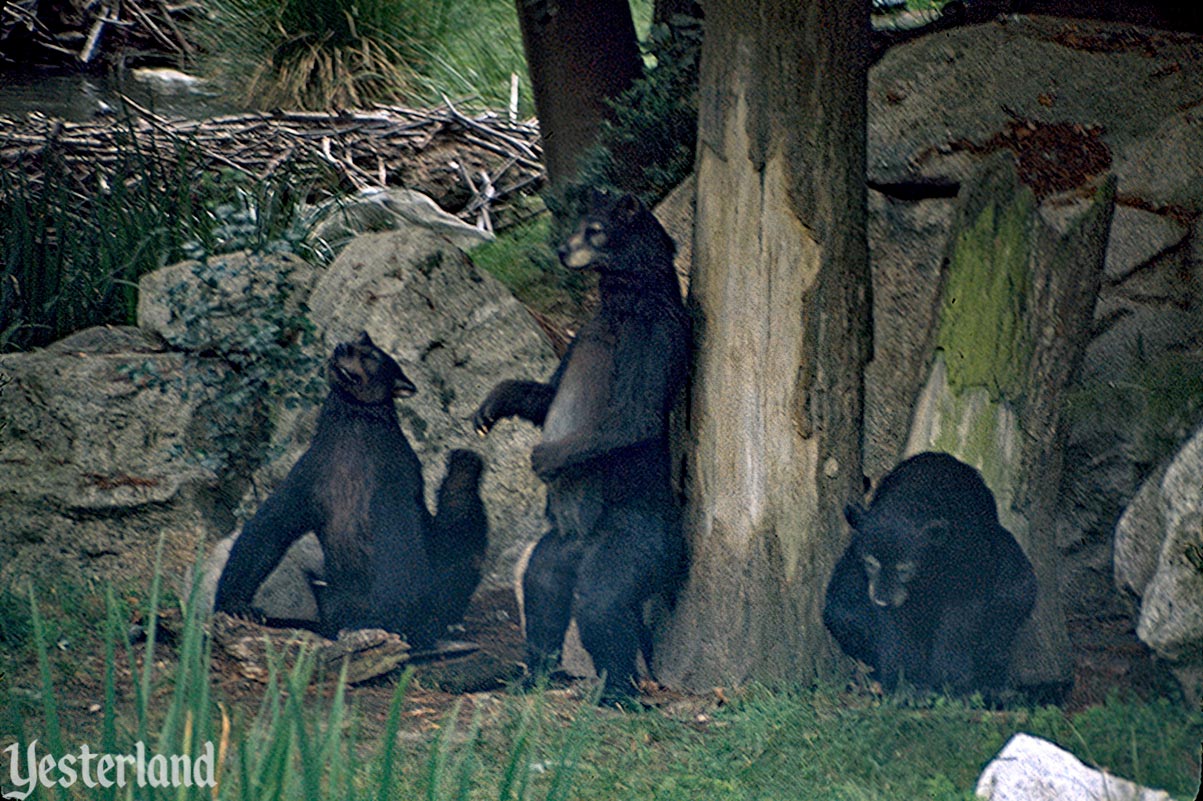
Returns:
(516, 776)
(437, 767)
(388, 759)
(573, 745)
(54, 736)
(112, 629)
(148, 654)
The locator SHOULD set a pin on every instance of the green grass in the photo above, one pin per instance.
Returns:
(323, 54)
(71, 254)
(522, 259)
(318, 739)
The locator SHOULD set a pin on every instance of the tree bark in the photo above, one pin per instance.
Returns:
(579, 54)
(780, 296)
(1014, 319)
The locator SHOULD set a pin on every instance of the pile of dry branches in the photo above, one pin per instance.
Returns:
(471, 165)
(58, 33)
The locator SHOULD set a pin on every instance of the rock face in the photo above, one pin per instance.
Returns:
(96, 458)
(213, 305)
(115, 437)
(455, 332)
(1159, 558)
(1031, 769)
(941, 104)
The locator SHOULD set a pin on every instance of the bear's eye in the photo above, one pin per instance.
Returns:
(597, 236)
(872, 566)
(905, 570)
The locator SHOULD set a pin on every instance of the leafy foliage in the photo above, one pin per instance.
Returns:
(1159, 399)
(647, 147)
(268, 348)
(521, 259)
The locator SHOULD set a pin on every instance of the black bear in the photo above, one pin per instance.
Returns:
(931, 590)
(614, 538)
(388, 563)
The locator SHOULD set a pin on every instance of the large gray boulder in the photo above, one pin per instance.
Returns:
(286, 594)
(98, 458)
(1159, 558)
(455, 331)
(1031, 769)
(222, 302)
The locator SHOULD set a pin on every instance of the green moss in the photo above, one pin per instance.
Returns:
(972, 428)
(981, 329)
(522, 259)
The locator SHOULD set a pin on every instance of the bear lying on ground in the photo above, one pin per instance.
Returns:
(931, 590)
(388, 563)
(615, 537)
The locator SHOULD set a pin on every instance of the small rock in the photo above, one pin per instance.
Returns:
(387, 209)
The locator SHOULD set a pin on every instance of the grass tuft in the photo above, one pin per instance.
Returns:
(326, 54)
(71, 255)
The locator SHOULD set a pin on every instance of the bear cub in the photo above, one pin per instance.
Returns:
(388, 563)
(931, 590)
(614, 539)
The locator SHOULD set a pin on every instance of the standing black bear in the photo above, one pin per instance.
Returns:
(389, 564)
(615, 537)
(931, 590)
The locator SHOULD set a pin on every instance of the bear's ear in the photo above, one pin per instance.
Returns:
(365, 340)
(629, 206)
(597, 198)
(854, 513)
(936, 532)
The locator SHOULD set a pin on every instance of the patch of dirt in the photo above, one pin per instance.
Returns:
(1050, 157)
(1109, 658)
(1115, 39)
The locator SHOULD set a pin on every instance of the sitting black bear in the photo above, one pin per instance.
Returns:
(388, 563)
(931, 590)
(615, 538)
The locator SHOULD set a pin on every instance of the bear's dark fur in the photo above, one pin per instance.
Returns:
(388, 563)
(615, 536)
(931, 590)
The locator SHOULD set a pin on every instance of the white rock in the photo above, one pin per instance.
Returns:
(1031, 769)
(165, 77)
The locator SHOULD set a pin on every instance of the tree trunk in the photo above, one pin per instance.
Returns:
(1015, 314)
(579, 54)
(780, 296)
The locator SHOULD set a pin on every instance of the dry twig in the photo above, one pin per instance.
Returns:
(362, 149)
